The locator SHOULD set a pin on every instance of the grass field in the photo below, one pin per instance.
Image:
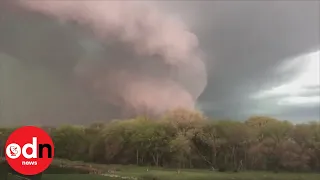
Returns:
(76, 177)
(169, 174)
(189, 175)
(141, 173)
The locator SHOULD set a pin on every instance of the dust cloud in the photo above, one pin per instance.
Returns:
(150, 61)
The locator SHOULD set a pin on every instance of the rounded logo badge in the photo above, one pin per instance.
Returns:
(29, 150)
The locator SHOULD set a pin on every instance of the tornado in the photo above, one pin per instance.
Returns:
(149, 61)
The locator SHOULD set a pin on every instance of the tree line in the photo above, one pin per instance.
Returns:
(184, 139)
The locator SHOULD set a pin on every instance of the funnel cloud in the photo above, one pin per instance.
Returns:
(88, 61)
(149, 62)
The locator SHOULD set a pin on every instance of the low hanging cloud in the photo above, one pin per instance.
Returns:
(151, 61)
(304, 86)
(299, 94)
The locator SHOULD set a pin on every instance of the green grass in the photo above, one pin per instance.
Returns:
(163, 174)
(75, 177)
(167, 174)
(170, 174)
(69, 177)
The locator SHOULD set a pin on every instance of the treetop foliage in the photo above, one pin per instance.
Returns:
(184, 139)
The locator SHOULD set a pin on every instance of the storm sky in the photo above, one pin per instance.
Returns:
(262, 59)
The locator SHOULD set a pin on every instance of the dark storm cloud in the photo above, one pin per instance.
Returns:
(136, 64)
(244, 43)
(35, 82)
(300, 114)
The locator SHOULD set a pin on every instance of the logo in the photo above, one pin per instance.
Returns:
(29, 150)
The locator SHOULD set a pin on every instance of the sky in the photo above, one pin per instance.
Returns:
(262, 58)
